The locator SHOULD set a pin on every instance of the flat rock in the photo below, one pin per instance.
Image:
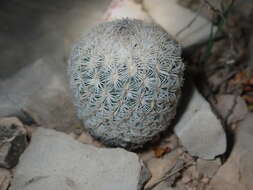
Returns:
(237, 172)
(12, 141)
(198, 128)
(41, 90)
(5, 179)
(126, 9)
(231, 108)
(55, 161)
(174, 18)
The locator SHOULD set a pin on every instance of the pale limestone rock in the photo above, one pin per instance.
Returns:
(41, 90)
(231, 108)
(55, 161)
(199, 129)
(237, 172)
(126, 9)
(5, 179)
(173, 18)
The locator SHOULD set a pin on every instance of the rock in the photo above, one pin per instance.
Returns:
(198, 128)
(12, 141)
(208, 168)
(5, 179)
(173, 18)
(237, 172)
(41, 90)
(55, 161)
(186, 179)
(231, 108)
(126, 9)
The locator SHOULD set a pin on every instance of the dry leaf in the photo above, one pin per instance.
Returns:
(239, 78)
(242, 77)
(160, 151)
(248, 89)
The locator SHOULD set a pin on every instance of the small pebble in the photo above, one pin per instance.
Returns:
(186, 179)
(205, 180)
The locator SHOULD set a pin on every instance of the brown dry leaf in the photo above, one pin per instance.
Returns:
(160, 151)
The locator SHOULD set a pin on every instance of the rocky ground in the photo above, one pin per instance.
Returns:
(209, 145)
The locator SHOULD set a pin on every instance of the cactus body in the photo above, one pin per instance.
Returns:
(126, 77)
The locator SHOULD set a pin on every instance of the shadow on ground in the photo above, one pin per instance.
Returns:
(31, 29)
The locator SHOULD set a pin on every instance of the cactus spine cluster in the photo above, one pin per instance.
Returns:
(126, 77)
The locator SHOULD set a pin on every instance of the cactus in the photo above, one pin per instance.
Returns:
(126, 78)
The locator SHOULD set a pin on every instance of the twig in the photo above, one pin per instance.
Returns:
(190, 23)
(170, 173)
(210, 6)
(231, 110)
(230, 75)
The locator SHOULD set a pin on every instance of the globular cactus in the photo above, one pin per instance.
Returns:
(126, 77)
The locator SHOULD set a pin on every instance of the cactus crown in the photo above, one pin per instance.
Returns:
(126, 77)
